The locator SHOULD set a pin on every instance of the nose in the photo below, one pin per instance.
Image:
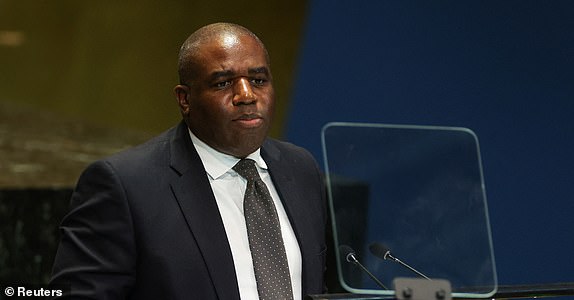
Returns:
(243, 93)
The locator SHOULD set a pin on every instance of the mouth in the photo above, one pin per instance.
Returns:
(249, 120)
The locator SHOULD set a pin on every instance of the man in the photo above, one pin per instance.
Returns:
(165, 219)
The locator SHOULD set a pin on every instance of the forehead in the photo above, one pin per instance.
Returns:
(230, 51)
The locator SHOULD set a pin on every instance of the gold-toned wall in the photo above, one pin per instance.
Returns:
(112, 64)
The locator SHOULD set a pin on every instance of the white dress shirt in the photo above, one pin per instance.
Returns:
(229, 189)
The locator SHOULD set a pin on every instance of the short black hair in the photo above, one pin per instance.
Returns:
(196, 40)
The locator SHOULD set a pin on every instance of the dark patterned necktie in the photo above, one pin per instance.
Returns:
(264, 233)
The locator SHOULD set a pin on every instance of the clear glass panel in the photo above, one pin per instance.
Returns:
(419, 192)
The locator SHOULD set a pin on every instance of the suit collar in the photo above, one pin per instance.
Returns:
(197, 202)
(284, 172)
(293, 198)
(270, 152)
(182, 152)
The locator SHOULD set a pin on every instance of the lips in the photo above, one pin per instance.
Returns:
(249, 120)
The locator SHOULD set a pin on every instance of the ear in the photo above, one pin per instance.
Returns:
(182, 95)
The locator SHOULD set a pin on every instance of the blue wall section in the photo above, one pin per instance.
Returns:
(505, 69)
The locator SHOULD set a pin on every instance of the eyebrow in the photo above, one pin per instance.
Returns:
(220, 74)
(230, 73)
(260, 70)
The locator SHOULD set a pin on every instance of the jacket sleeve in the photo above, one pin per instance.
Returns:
(96, 257)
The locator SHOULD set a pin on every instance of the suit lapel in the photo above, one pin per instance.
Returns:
(197, 202)
(293, 199)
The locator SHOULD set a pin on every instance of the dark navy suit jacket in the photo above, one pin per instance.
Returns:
(144, 223)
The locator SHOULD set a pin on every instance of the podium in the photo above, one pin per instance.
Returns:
(409, 202)
(504, 292)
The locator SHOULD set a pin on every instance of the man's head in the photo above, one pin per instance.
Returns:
(226, 92)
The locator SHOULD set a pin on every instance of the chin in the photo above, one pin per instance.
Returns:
(244, 149)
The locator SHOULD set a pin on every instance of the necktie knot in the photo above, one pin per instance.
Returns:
(247, 169)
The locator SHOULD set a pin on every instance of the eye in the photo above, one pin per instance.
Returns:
(222, 84)
(258, 81)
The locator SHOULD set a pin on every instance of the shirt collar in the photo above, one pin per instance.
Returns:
(216, 163)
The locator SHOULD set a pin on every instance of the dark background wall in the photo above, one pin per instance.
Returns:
(505, 69)
(115, 63)
(112, 66)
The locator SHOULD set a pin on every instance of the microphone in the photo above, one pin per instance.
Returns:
(379, 250)
(350, 256)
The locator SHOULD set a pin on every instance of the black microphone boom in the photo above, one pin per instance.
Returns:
(350, 256)
(382, 252)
